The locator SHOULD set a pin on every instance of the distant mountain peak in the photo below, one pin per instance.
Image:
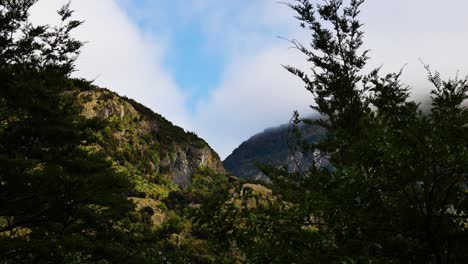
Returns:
(270, 147)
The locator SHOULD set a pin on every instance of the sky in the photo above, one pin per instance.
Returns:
(214, 66)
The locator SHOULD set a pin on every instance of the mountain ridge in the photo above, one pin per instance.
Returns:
(271, 147)
(137, 137)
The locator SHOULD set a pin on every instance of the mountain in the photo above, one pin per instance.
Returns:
(270, 147)
(174, 172)
(144, 143)
(171, 169)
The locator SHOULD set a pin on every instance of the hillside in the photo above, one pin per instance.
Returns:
(172, 170)
(270, 147)
(144, 143)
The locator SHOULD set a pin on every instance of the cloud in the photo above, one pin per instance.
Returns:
(120, 56)
(400, 33)
(254, 91)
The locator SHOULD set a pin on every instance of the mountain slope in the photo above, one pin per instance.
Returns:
(143, 143)
(270, 147)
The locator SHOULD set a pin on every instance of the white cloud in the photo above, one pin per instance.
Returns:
(401, 32)
(120, 56)
(255, 92)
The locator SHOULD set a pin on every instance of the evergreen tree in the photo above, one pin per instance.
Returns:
(396, 190)
(60, 199)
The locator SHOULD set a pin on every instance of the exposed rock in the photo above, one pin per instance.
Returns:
(271, 147)
(137, 135)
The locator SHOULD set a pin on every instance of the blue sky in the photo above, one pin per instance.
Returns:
(194, 65)
(214, 66)
(196, 55)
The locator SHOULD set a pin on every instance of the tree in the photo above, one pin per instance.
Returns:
(396, 190)
(60, 199)
(399, 184)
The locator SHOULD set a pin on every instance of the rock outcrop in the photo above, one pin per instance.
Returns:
(271, 147)
(136, 137)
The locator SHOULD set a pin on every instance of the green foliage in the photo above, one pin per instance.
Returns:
(61, 200)
(154, 190)
(205, 183)
(174, 224)
(400, 174)
(396, 190)
(169, 133)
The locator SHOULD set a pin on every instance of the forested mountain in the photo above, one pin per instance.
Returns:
(88, 176)
(274, 147)
(142, 142)
(158, 170)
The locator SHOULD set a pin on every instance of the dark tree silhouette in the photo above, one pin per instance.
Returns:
(396, 190)
(60, 200)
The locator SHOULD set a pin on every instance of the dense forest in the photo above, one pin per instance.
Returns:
(88, 176)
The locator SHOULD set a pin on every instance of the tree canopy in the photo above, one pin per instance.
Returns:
(396, 190)
(61, 201)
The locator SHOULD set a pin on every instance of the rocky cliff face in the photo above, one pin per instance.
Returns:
(271, 147)
(187, 159)
(145, 143)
